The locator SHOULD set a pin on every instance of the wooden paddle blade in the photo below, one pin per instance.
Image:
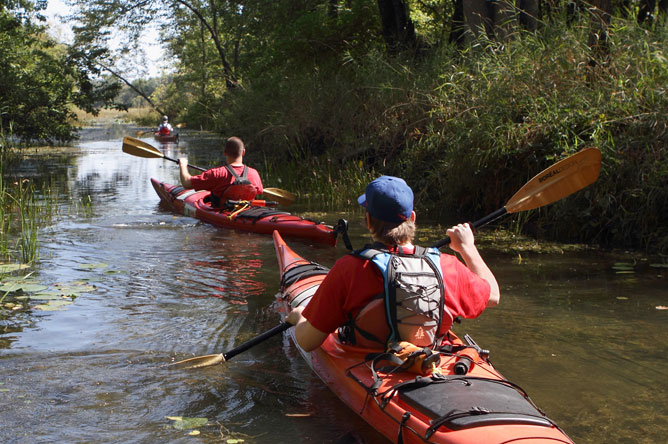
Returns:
(180, 125)
(283, 197)
(558, 181)
(199, 361)
(140, 148)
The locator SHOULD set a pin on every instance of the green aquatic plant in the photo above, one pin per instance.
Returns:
(320, 183)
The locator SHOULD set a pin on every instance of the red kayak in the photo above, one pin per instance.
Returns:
(464, 400)
(171, 137)
(253, 216)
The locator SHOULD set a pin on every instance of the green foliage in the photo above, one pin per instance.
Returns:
(41, 81)
(310, 84)
(469, 128)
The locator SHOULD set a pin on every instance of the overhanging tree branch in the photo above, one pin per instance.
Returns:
(134, 88)
(230, 78)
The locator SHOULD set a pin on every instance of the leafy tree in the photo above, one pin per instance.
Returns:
(41, 81)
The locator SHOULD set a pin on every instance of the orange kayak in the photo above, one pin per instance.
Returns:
(464, 399)
(252, 216)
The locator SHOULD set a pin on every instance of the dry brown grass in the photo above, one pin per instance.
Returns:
(140, 116)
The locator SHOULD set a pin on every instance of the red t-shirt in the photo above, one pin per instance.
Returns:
(353, 282)
(218, 179)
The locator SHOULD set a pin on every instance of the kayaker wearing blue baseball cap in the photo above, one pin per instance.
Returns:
(388, 199)
(365, 297)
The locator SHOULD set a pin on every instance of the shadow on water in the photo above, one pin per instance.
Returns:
(587, 343)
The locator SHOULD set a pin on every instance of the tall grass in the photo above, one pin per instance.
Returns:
(18, 211)
(320, 182)
(468, 128)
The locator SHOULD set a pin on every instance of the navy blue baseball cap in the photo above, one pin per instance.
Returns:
(389, 199)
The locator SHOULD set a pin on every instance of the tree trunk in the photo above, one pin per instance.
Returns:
(503, 18)
(530, 14)
(458, 29)
(398, 29)
(477, 16)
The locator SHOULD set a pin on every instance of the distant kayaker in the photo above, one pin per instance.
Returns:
(393, 290)
(165, 128)
(234, 181)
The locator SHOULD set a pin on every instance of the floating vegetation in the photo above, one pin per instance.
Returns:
(24, 293)
(11, 268)
(52, 305)
(183, 423)
(502, 240)
(624, 267)
(25, 286)
(90, 267)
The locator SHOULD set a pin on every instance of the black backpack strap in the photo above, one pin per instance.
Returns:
(234, 173)
(239, 180)
(370, 250)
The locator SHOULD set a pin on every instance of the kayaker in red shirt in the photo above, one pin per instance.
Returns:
(165, 128)
(234, 181)
(467, 289)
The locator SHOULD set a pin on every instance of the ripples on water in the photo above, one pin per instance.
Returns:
(589, 346)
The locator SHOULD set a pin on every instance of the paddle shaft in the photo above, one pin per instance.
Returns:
(477, 224)
(256, 340)
(189, 166)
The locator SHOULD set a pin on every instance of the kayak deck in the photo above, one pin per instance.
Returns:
(246, 217)
(479, 406)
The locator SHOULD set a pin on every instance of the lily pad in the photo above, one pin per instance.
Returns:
(26, 287)
(623, 266)
(18, 279)
(183, 423)
(659, 265)
(45, 296)
(53, 305)
(90, 267)
(10, 268)
(73, 289)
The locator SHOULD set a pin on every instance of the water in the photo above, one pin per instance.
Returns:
(587, 344)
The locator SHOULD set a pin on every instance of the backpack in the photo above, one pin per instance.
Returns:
(241, 188)
(412, 306)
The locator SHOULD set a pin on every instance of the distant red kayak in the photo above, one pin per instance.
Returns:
(464, 400)
(253, 216)
(171, 137)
